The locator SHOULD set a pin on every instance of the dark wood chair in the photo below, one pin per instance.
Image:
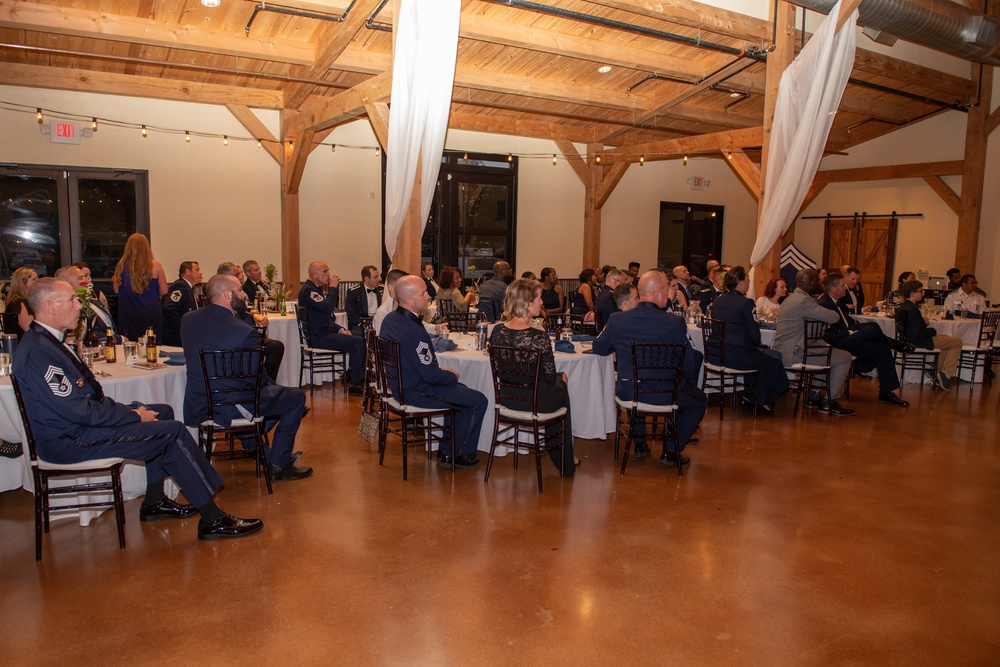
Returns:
(717, 376)
(9, 323)
(516, 374)
(656, 374)
(491, 309)
(413, 425)
(813, 372)
(463, 322)
(233, 379)
(43, 471)
(315, 359)
(981, 354)
(372, 400)
(922, 360)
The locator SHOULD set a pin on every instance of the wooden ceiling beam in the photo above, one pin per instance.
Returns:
(569, 152)
(887, 172)
(665, 150)
(319, 113)
(130, 85)
(257, 129)
(745, 170)
(945, 193)
(23, 15)
(612, 176)
(697, 15)
(378, 117)
(884, 66)
(518, 127)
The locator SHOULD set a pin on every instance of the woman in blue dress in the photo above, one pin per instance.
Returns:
(140, 283)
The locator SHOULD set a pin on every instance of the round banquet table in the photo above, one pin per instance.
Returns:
(590, 378)
(285, 329)
(125, 384)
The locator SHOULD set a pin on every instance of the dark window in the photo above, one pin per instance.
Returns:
(690, 235)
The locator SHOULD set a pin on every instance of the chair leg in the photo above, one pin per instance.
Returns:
(406, 446)
(629, 439)
(40, 516)
(493, 444)
(672, 422)
(116, 483)
(261, 458)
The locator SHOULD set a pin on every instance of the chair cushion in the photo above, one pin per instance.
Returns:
(526, 416)
(807, 367)
(727, 369)
(81, 465)
(409, 409)
(643, 407)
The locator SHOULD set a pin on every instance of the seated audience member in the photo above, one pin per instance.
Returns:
(966, 298)
(178, 301)
(822, 275)
(524, 303)
(214, 327)
(789, 338)
(98, 295)
(319, 300)
(866, 342)
(742, 341)
(274, 350)
(676, 300)
(492, 292)
(684, 283)
(647, 323)
(450, 291)
(255, 283)
(583, 298)
(854, 296)
(916, 331)
(17, 299)
(529, 275)
(427, 271)
(552, 291)
(711, 265)
(774, 293)
(389, 299)
(425, 383)
(711, 290)
(362, 301)
(954, 278)
(605, 305)
(74, 421)
(626, 296)
(895, 297)
(633, 270)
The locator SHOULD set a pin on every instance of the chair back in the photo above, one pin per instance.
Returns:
(656, 371)
(555, 321)
(302, 321)
(491, 309)
(446, 306)
(29, 438)
(261, 332)
(713, 336)
(8, 322)
(988, 328)
(571, 299)
(815, 350)
(900, 330)
(515, 377)
(390, 369)
(233, 378)
(462, 322)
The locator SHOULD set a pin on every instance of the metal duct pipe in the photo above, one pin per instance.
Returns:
(937, 24)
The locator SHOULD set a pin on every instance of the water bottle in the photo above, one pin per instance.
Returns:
(481, 330)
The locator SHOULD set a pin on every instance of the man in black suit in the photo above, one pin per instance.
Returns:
(274, 350)
(854, 295)
(711, 289)
(865, 341)
(254, 281)
(363, 300)
(178, 300)
(648, 323)
(605, 305)
(214, 327)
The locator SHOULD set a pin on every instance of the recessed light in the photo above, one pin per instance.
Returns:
(604, 69)
(735, 94)
(210, 3)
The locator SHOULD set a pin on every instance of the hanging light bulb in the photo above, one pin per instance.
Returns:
(225, 140)
(259, 144)
(553, 159)
(685, 160)
(39, 116)
(378, 151)
(510, 157)
(729, 156)
(333, 148)
(93, 124)
(290, 143)
(642, 159)
(187, 136)
(144, 133)
(598, 159)
(465, 156)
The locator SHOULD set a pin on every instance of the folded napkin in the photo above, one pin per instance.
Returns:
(443, 344)
(177, 360)
(767, 325)
(565, 346)
(583, 338)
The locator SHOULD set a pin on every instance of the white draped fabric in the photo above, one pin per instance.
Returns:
(808, 98)
(423, 72)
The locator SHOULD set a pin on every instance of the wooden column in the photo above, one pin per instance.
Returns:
(976, 137)
(290, 268)
(777, 62)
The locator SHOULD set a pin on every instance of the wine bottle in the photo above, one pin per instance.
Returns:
(110, 354)
(151, 353)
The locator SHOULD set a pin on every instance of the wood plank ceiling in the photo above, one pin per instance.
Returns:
(677, 69)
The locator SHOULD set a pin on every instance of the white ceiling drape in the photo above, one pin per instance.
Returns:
(423, 72)
(808, 98)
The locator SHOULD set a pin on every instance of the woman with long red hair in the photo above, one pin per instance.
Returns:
(140, 283)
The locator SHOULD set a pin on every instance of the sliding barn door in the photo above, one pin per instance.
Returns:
(840, 242)
(866, 243)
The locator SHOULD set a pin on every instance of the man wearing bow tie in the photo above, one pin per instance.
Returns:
(363, 300)
(255, 282)
(73, 421)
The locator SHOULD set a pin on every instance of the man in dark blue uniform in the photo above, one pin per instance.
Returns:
(274, 350)
(72, 420)
(254, 281)
(319, 300)
(648, 323)
(178, 300)
(866, 341)
(215, 328)
(363, 300)
(426, 384)
(605, 305)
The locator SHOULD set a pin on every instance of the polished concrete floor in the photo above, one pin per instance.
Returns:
(869, 540)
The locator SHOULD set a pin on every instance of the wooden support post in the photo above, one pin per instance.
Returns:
(290, 269)
(592, 211)
(976, 137)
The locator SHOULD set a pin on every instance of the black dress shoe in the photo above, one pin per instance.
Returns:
(356, 390)
(944, 381)
(766, 408)
(165, 509)
(306, 410)
(902, 346)
(461, 461)
(288, 471)
(641, 450)
(670, 459)
(816, 403)
(836, 409)
(228, 526)
(693, 441)
(892, 399)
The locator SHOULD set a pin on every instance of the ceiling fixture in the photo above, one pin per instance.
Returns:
(642, 159)
(378, 152)
(604, 69)
(259, 144)
(39, 116)
(598, 159)
(210, 3)
(225, 140)
(735, 94)
(187, 136)
(685, 160)
(553, 159)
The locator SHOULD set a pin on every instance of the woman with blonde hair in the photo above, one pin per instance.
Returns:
(140, 283)
(522, 305)
(17, 301)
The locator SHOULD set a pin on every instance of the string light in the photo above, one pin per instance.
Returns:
(685, 160)
(378, 151)
(333, 148)
(510, 157)
(290, 143)
(187, 136)
(259, 144)
(553, 159)
(144, 133)
(729, 156)
(465, 157)
(225, 140)
(598, 159)
(38, 112)
(93, 124)
(642, 159)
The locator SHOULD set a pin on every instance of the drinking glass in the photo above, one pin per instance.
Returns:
(4, 364)
(130, 350)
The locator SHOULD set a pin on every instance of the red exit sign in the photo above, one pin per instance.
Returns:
(64, 133)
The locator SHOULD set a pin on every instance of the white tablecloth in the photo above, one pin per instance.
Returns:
(284, 328)
(591, 387)
(966, 329)
(698, 343)
(125, 385)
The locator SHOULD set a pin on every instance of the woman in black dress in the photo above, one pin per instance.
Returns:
(523, 303)
(18, 314)
(552, 291)
(583, 298)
